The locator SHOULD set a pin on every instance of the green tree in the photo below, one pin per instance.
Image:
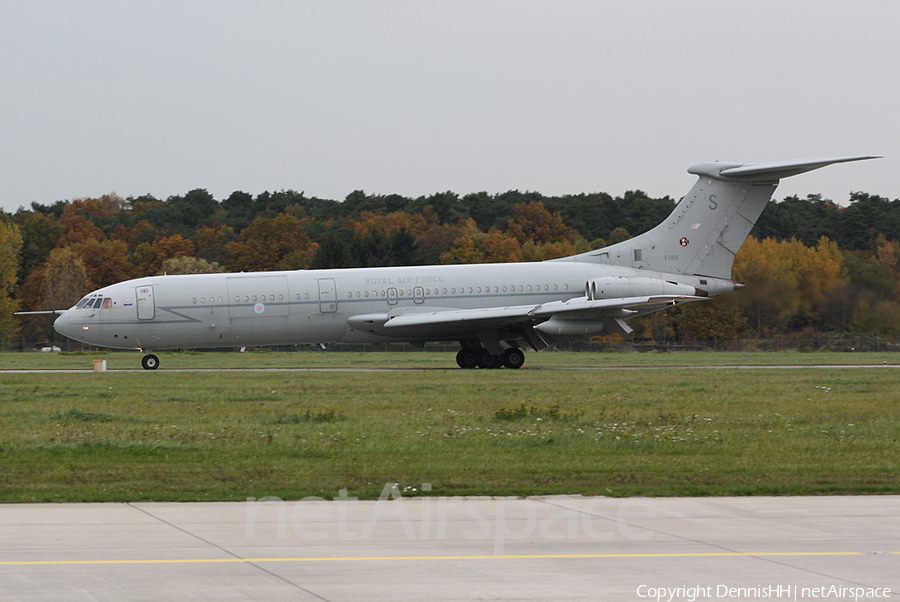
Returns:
(705, 321)
(40, 233)
(65, 280)
(335, 251)
(618, 235)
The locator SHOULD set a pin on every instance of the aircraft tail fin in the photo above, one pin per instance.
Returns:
(707, 228)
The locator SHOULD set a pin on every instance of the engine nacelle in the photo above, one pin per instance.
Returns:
(615, 287)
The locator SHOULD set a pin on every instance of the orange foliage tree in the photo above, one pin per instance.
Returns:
(277, 243)
(786, 281)
(532, 222)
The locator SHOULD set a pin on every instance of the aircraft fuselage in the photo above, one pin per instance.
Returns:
(297, 307)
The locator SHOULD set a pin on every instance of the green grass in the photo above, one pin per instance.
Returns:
(165, 435)
(429, 359)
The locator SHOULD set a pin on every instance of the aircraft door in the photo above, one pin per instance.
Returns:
(327, 296)
(146, 308)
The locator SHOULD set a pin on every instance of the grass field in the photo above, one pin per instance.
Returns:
(171, 435)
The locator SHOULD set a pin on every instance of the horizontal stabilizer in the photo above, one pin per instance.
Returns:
(767, 172)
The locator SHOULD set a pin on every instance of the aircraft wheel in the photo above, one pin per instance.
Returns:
(486, 360)
(150, 362)
(466, 358)
(513, 358)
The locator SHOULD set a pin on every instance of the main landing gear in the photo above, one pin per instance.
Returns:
(481, 358)
(150, 362)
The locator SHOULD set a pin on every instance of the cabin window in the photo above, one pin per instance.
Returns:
(478, 290)
(638, 254)
(194, 300)
(522, 288)
(529, 288)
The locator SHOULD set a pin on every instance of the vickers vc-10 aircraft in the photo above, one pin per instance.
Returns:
(493, 310)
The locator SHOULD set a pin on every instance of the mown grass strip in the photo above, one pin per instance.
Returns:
(233, 435)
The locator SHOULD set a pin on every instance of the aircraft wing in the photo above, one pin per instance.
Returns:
(557, 317)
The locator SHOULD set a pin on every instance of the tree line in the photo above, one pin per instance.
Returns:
(810, 264)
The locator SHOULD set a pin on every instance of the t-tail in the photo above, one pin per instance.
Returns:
(707, 228)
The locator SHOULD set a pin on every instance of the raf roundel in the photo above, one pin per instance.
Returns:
(259, 308)
(684, 241)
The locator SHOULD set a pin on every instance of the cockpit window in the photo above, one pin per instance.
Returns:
(94, 303)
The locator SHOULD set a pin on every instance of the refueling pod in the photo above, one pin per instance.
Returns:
(614, 287)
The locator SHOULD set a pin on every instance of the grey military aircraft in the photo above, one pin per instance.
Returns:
(494, 311)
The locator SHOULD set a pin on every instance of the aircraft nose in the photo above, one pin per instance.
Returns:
(62, 325)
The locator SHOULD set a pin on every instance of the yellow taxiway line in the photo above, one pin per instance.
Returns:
(408, 558)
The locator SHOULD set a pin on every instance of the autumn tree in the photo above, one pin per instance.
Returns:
(493, 247)
(787, 282)
(106, 262)
(211, 240)
(149, 257)
(532, 222)
(142, 232)
(10, 248)
(277, 243)
(188, 265)
(532, 251)
(438, 238)
(77, 229)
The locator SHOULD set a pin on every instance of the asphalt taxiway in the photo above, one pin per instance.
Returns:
(441, 548)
